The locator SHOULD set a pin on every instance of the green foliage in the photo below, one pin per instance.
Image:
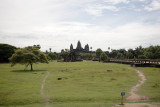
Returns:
(141, 57)
(6, 51)
(129, 55)
(28, 56)
(119, 55)
(98, 53)
(139, 52)
(51, 56)
(152, 52)
(87, 55)
(65, 54)
(103, 56)
(113, 54)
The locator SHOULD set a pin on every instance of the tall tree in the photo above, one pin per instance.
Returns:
(51, 56)
(6, 51)
(103, 56)
(28, 56)
(152, 52)
(138, 51)
(50, 49)
(65, 54)
(98, 53)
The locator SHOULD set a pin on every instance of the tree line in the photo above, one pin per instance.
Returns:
(32, 54)
(151, 52)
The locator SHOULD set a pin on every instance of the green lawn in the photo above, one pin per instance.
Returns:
(83, 84)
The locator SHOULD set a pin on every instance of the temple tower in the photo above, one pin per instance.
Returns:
(79, 47)
(71, 47)
(86, 48)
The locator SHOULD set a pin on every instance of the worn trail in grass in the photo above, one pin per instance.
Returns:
(45, 99)
(135, 97)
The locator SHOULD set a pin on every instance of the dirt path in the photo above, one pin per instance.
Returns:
(43, 83)
(135, 97)
(46, 99)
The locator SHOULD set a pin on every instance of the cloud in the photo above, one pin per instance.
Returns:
(117, 1)
(61, 35)
(58, 23)
(141, 0)
(97, 10)
(154, 5)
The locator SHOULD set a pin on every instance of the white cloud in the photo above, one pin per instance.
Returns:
(58, 23)
(117, 1)
(141, 0)
(97, 10)
(155, 5)
(61, 35)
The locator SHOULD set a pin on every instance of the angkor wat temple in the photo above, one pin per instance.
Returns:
(75, 53)
(79, 48)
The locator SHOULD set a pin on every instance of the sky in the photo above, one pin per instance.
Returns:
(55, 24)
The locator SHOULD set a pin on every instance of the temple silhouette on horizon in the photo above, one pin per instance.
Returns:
(79, 48)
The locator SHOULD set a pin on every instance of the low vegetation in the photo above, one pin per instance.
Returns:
(82, 84)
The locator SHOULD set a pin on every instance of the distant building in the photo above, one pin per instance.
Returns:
(75, 53)
(79, 48)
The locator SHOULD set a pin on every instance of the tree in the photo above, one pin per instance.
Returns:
(85, 55)
(103, 56)
(37, 46)
(119, 55)
(28, 56)
(65, 54)
(139, 52)
(6, 51)
(152, 52)
(113, 53)
(51, 56)
(129, 55)
(98, 53)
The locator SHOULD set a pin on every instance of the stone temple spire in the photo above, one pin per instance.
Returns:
(79, 47)
(87, 48)
(71, 47)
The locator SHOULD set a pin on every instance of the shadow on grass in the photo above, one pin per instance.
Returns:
(27, 71)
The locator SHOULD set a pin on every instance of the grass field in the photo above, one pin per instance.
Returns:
(83, 84)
